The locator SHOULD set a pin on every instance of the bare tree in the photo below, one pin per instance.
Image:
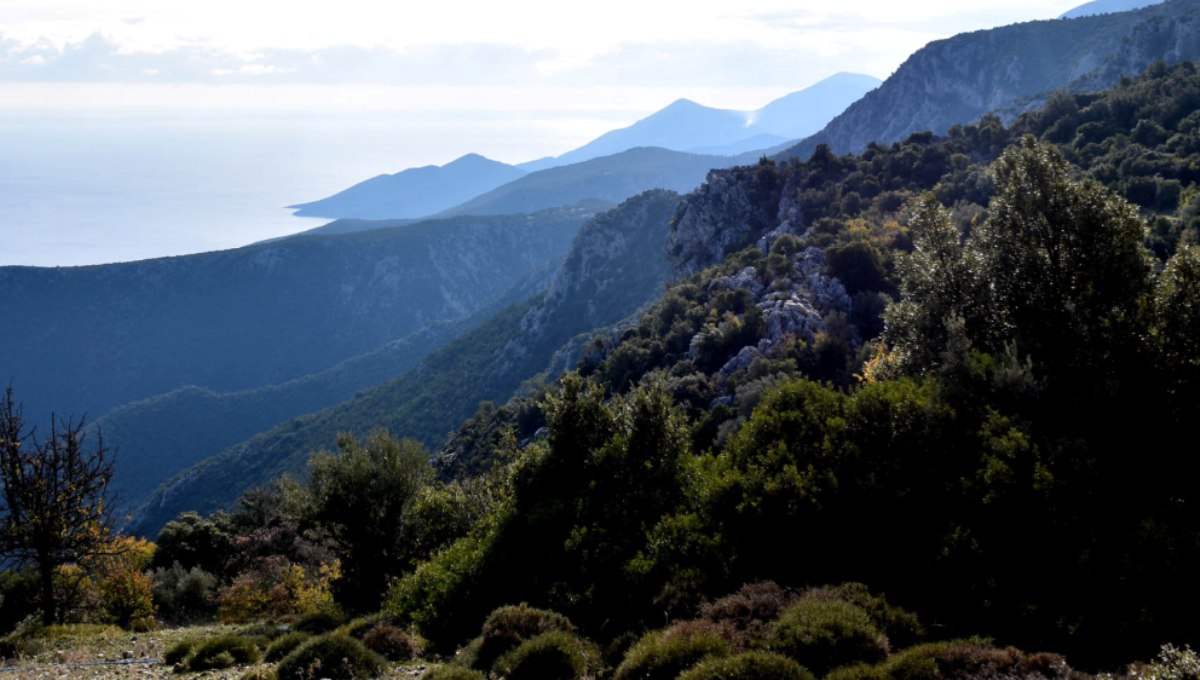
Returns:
(53, 511)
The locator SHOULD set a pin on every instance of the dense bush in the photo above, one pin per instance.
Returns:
(663, 655)
(321, 622)
(902, 628)
(509, 626)
(448, 672)
(179, 652)
(184, 595)
(391, 643)
(222, 652)
(284, 644)
(556, 655)
(749, 666)
(749, 611)
(336, 657)
(825, 634)
(959, 660)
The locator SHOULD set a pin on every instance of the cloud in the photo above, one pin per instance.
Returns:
(101, 59)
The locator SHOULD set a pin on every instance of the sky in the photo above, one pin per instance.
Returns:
(518, 55)
(142, 128)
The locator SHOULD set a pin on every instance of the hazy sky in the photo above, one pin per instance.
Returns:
(509, 55)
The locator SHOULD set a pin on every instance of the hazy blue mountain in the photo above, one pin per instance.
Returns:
(802, 113)
(685, 125)
(763, 142)
(1106, 7)
(161, 436)
(610, 178)
(615, 265)
(416, 192)
(91, 338)
(959, 79)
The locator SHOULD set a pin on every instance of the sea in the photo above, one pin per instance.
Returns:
(81, 188)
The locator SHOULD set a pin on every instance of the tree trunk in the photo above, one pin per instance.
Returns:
(46, 572)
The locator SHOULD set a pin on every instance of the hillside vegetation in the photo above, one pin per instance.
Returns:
(920, 412)
(613, 267)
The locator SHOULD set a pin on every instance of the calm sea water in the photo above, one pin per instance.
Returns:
(90, 188)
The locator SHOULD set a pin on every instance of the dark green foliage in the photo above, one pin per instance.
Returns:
(319, 623)
(449, 672)
(362, 496)
(555, 655)
(859, 266)
(179, 652)
(190, 541)
(222, 652)
(825, 634)
(284, 644)
(336, 657)
(391, 643)
(507, 627)
(663, 655)
(18, 595)
(184, 595)
(749, 666)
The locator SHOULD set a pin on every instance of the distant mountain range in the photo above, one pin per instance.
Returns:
(608, 178)
(97, 337)
(688, 126)
(1010, 68)
(684, 126)
(1106, 7)
(416, 192)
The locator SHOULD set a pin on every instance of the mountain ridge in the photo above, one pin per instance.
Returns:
(956, 80)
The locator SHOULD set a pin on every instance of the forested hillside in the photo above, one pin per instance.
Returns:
(955, 369)
(613, 267)
(101, 336)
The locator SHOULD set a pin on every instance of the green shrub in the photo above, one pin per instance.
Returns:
(452, 673)
(663, 655)
(749, 666)
(284, 644)
(179, 652)
(958, 660)
(258, 673)
(824, 634)
(357, 628)
(184, 595)
(901, 627)
(509, 626)
(391, 643)
(319, 623)
(556, 655)
(222, 652)
(336, 657)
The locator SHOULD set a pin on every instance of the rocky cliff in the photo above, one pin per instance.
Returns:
(959, 79)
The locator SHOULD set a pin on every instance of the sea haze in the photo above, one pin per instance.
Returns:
(88, 188)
